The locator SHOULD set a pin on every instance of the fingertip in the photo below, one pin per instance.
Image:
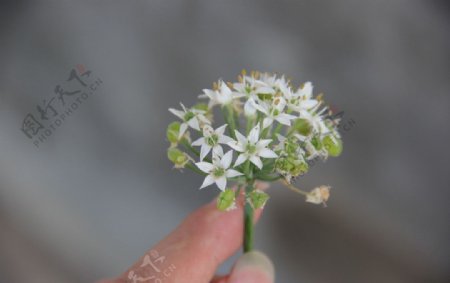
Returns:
(253, 267)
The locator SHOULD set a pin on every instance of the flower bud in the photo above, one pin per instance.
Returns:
(178, 157)
(291, 166)
(258, 198)
(333, 145)
(302, 126)
(226, 200)
(173, 131)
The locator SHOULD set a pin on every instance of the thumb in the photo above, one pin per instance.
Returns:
(252, 267)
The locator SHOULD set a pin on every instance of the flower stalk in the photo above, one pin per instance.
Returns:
(248, 219)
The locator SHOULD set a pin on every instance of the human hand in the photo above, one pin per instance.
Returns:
(194, 250)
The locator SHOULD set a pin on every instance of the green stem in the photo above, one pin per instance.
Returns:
(228, 113)
(195, 169)
(189, 147)
(276, 131)
(248, 220)
(293, 188)
(269, 178)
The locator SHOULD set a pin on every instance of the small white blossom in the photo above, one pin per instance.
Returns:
(252, 148)
(316, 120)
(222, 96)
(211, 140)
(250, 88)
(275, 112)
(191, 118)
(218, 171)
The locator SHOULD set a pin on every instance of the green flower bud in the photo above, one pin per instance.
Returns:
(178, 157)
(258, 198)
(291, 166)
(302, 126)
(226, 200)
(316, 142)
(173, 131)
(333, 145)
(291, 146)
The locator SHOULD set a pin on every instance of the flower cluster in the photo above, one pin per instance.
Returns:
(270, 131)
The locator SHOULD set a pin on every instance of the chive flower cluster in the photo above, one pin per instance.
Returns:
(258, 128)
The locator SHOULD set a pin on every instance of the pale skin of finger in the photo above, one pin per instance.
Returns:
(194, 250)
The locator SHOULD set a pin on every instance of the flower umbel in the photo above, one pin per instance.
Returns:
(272, 128)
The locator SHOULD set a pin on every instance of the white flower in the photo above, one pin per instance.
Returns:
(211, 140)
(218, 171)
(249, 87)
(316, 120)
(252, 148)
(222, 96)
(318, 195)
(275, 111)
(302, 99)
(191, 118)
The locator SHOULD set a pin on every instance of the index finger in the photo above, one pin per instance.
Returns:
(194, 250)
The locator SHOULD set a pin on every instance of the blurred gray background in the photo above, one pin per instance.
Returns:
(100, 192)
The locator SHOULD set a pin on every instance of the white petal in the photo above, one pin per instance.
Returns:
(193, 123)
(267, 153)
(225, 139)
(257, 161)
(300, 137)
(204, 150)
(205, 166)
(241, 139)
(183, 128)
(249, 108)
(217, 150)
(203, 119)
(261, 108)
(220, 130)
(221, 183)
(263, 143)
(236, 146)
(224, 89)
(307, 89)
(232, 173)
(238, 94)
(209, 93)
(226, 159)
(267, 122)
(281, 138)
(241, 159)
(208, 181)
(265, 90)
(308, 104)
(285, 119)
(199, 142)
(253, 137)
(178, 113)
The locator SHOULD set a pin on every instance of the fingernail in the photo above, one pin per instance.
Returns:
(253, 267)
